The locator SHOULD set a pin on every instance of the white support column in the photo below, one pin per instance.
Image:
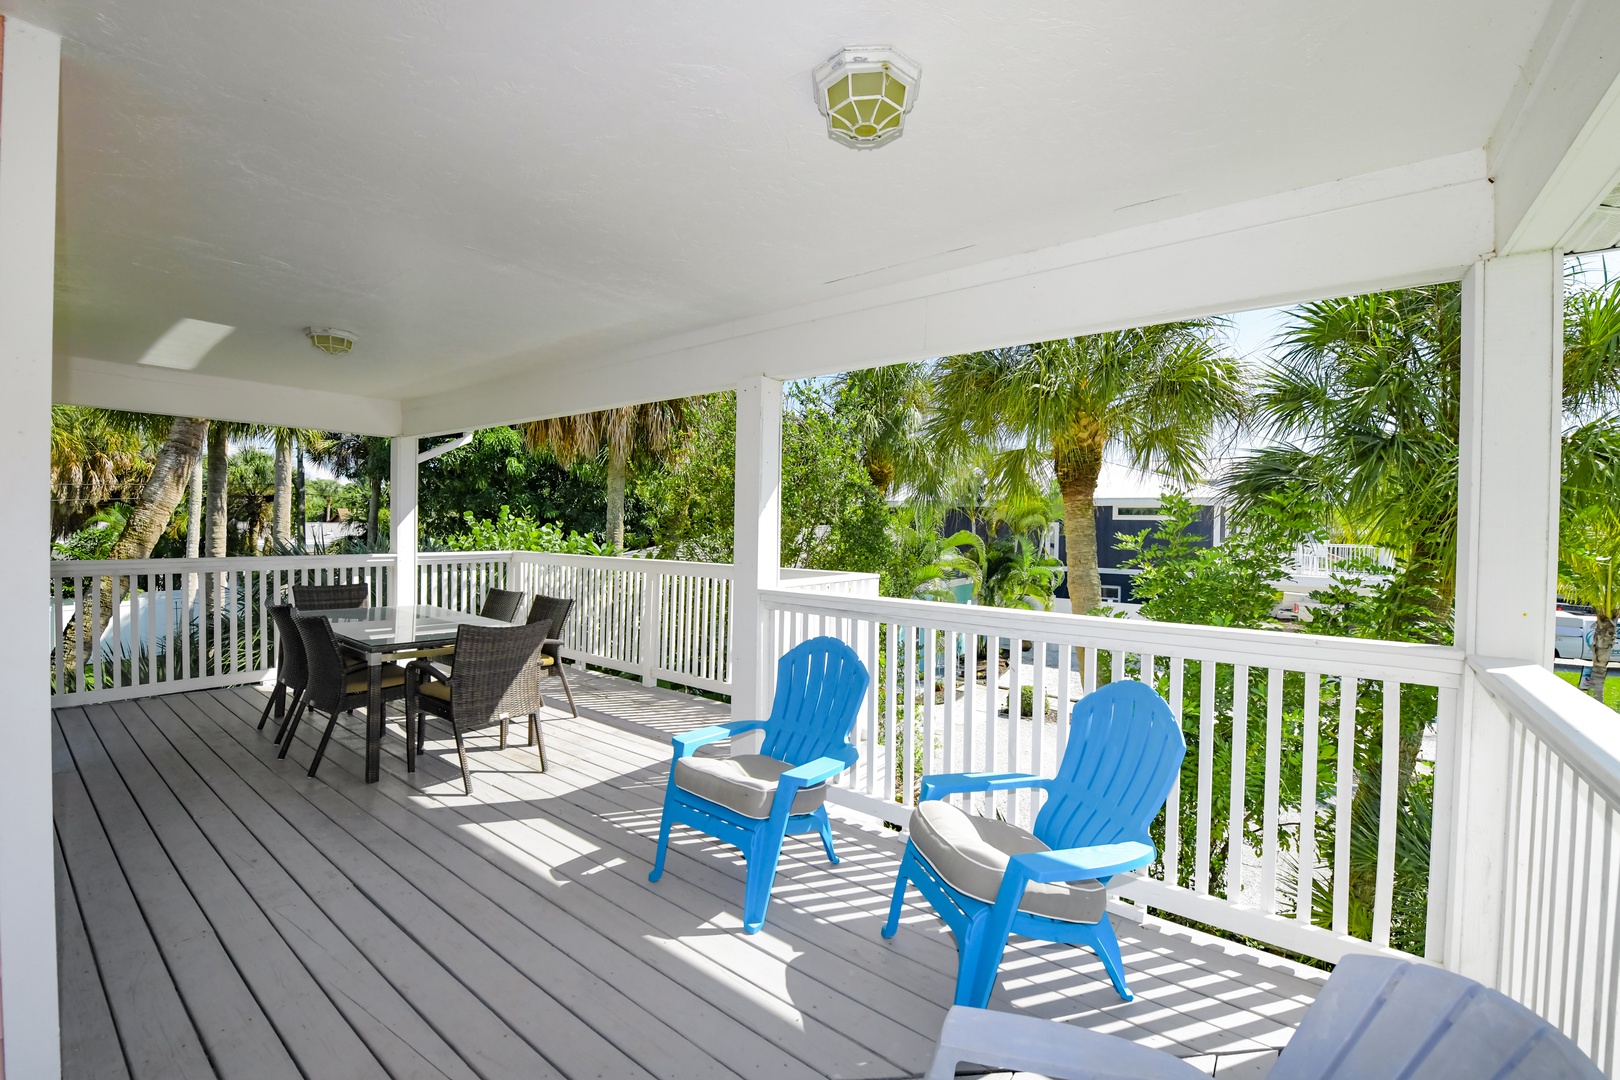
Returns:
(28, 118)
(402, 530)
(758, 557)
(1507, 556)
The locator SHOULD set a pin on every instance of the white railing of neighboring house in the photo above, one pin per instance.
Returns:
(1325, 559)
(1288, 694)
(1560, 933)
(658, 619)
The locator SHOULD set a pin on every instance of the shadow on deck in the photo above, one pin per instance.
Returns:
(220, 914)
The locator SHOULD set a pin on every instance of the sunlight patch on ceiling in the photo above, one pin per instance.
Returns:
(183, 345)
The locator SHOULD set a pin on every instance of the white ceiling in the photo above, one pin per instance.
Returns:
(479, 188)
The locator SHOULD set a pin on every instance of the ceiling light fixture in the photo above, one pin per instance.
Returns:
(865, 93)
(329, 340)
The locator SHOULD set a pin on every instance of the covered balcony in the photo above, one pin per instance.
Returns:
(526, 213)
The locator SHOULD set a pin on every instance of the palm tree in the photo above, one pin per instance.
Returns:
(164, 487)
(360, 457)
(253, 493)
(1589, 573)
(1154, 395)
(96, 455)
(1362, 405)
(889, 409)
(619, 435)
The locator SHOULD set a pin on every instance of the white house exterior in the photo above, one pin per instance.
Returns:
(526, 211)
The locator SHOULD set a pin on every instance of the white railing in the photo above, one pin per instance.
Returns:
(829, 581)
(1560, 934)
(655, 618)
(1324, 559)
(1276, 726)
(134, 627)
(191, 624)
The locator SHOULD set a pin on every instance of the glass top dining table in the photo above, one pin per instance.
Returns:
(380, 634)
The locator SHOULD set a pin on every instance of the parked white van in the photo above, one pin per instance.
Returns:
(1572, 640)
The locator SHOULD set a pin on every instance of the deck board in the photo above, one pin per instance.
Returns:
(90, 1042)
(403, 929)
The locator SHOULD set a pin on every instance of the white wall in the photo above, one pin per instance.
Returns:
(28, 110)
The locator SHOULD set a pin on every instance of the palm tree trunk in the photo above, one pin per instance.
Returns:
(1602, 649)
(281, 507)
(176, 461)
(194, 526)
(300, 495)
(194, 502)
(373, 512)
(1078, 459)
(618, 469)
(219, 453)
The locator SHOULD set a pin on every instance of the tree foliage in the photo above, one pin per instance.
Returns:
(1182, 579)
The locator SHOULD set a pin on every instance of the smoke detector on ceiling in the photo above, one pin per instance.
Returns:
(329, 340)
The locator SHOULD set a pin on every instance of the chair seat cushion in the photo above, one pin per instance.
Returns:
(745, 783)
(433, 688)
(358, 680)
(971, 853)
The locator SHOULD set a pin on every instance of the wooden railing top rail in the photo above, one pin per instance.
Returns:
(1585, 733)
(1433, 665)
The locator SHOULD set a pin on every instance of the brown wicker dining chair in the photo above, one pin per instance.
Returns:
(291, 669)
(333, 686)
(502, 604)
(554, 610)
(331, 597)
(497, 676)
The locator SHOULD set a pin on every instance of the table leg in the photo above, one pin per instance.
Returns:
(374, 721)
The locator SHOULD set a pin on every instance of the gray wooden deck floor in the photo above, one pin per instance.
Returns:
(223, 915)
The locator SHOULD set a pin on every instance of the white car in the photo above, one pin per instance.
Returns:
(1572, 639)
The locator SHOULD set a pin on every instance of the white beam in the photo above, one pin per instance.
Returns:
(402, 521)
(28, 125)
(1415, 224)
(1507, 553)
(758, 544)
(187, 393)
(1556, 150)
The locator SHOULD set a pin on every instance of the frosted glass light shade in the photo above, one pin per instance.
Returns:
(865, 93)
(330, 340)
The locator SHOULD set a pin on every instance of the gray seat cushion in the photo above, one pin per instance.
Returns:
(745, 783)
(971, 853)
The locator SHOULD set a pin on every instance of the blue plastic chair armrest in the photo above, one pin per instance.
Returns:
(1085, 863)
(688, 741)
(937, 787)
(818, 771)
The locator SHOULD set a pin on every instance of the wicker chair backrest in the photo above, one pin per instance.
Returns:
(502, 604)
(497, 671)
(331, 597)
(293, 668)
(554, 610)
(326, 667)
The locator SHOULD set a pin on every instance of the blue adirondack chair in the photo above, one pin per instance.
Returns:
(755, 800)
(989, 878)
